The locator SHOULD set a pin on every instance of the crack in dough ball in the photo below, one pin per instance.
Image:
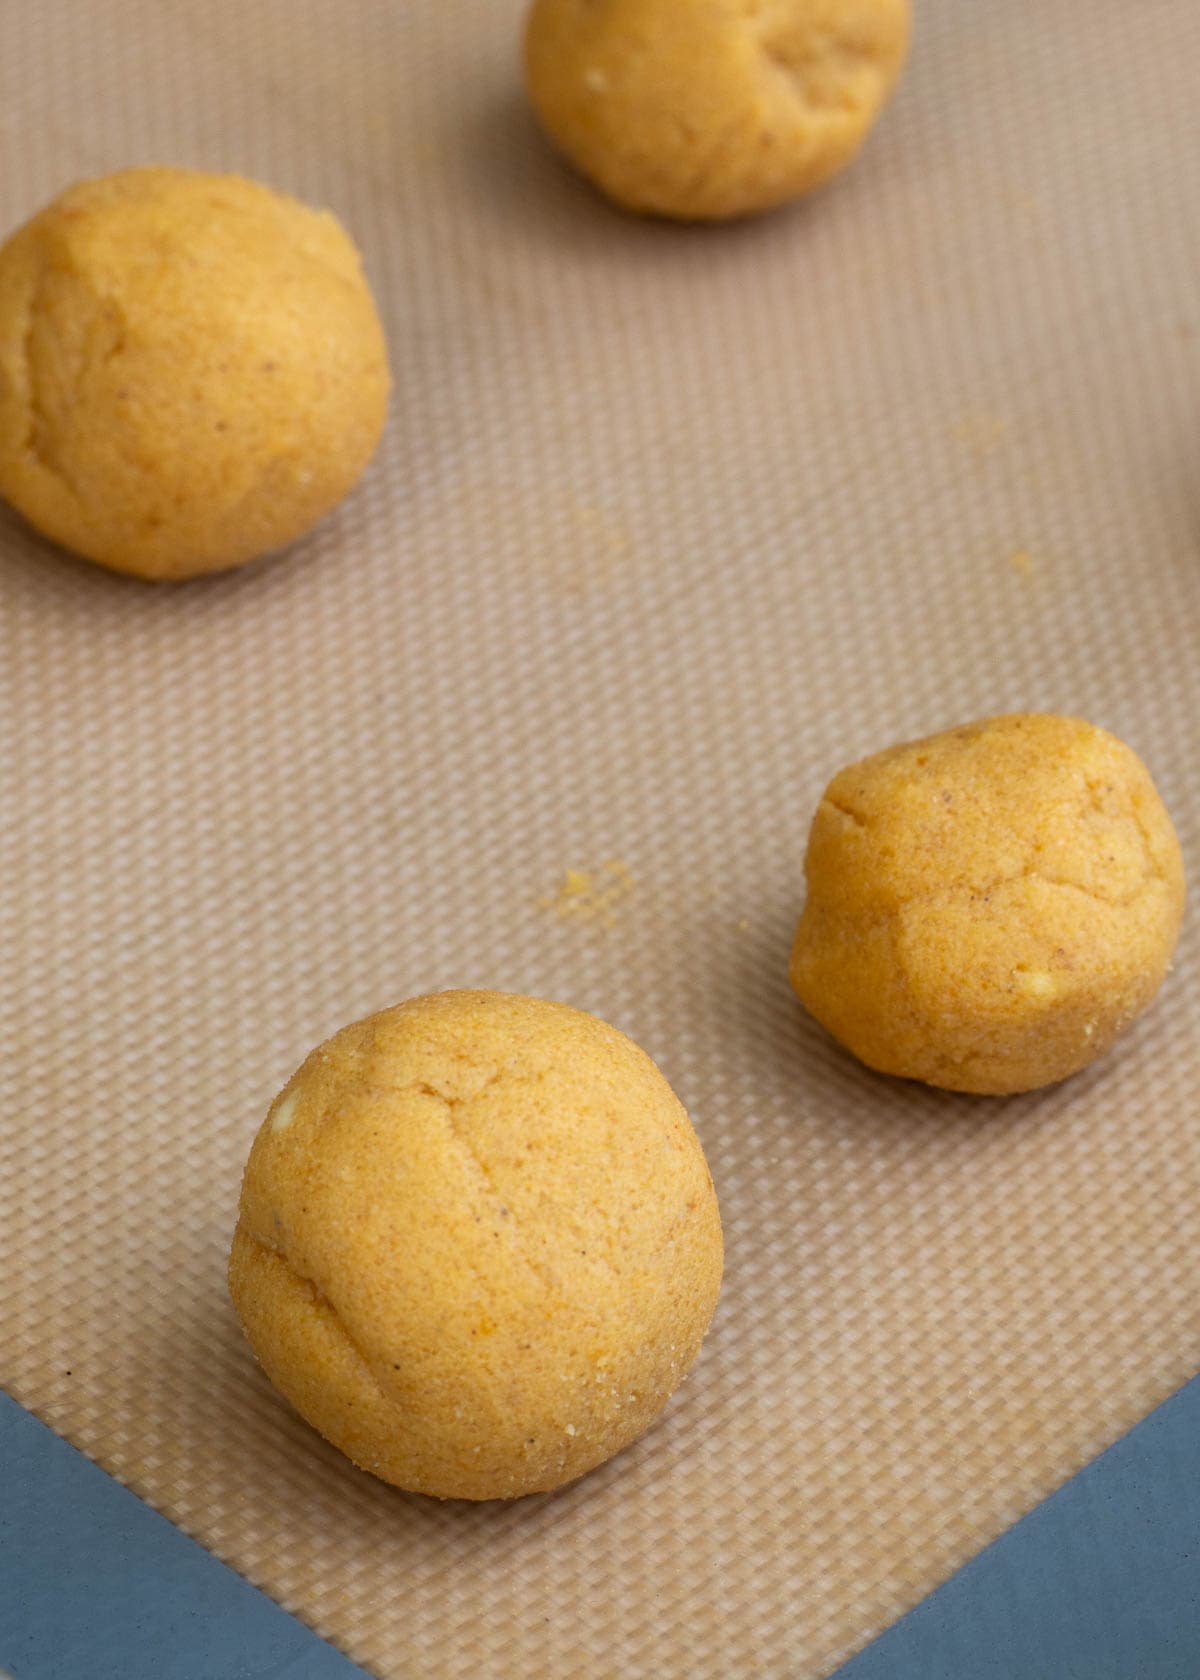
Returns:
(478, 1245)
(989, 908)
(707, 109)
(192, 370)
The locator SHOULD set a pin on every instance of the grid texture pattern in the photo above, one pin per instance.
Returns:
(668, 525)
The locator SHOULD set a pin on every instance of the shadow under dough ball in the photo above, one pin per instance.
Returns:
(478, 1245)
(708, 109)
(192, 370)
(989, 908)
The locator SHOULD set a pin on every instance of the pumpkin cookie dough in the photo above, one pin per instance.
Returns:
(987, 909)
(706, 109)
(478, 1245)
(192, 371)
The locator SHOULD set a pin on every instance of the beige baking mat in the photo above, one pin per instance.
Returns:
(667, 525)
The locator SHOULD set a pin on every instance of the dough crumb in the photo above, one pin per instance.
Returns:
(590, 551)
(584, 895)
(981, 431)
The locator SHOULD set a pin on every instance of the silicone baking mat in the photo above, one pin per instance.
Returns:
(94, 1585)
(667, 525)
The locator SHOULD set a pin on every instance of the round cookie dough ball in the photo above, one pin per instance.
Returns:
(478, 1244)
(192, 370)
(987, 909)
(706, 109)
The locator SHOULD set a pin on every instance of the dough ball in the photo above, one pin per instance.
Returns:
(704, 109)
(987, 909)
(192, 370)
(478, 1244)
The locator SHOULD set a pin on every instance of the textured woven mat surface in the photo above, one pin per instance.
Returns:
(667, 526)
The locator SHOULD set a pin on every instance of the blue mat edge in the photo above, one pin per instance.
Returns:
(96, 1585)
(1100, 1581)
